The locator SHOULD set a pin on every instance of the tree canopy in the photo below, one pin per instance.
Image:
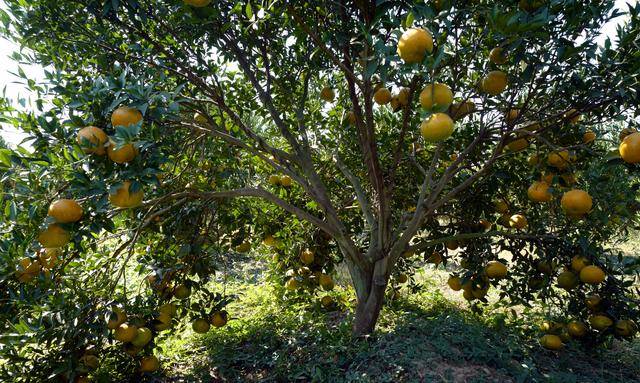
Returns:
(172, 138)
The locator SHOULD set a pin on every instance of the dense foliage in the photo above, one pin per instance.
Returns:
(380, 135)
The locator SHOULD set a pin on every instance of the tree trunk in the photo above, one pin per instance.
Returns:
(367, 311)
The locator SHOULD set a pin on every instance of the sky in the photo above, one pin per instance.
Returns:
(15, 90)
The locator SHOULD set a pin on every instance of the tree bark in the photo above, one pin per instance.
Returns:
(370, 302)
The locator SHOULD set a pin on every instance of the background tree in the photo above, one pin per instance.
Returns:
(299, 125)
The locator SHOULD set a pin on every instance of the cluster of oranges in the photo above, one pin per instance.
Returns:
(310, 274)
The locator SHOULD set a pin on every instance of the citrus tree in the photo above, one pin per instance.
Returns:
(172, 138)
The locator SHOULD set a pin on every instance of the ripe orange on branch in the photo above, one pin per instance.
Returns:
(92, 140)
(436, 95)
(65, 211)
(437, 128)
(125, 116)
(54, 236)
(494, 83)
(576, 202)
(414, 45)
(630, 148)
(125, 198)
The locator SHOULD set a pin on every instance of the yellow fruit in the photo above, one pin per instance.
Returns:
(577, 329)
(592, 274)
(54, 236)
(274, 179)
(92, 140)
(576, 202)
(269, 240)
(512, 115)
(559, 159)
(49, 257)
(518, 221)
(568, 178)
(327, 94)
(572, 116)
(518, 145)
(588, 137)
(600, 322)
(551, 342)
(181, 292)
(403, 278)
(382, 96)
(326, 282)
(292, 284)
(626, 328)
(143, 336)
(403, 97)
(168, 308)
(286, 181)
(414, 45)
(498, 56)
(494, 83)
(578, 262)
(307, 257)
(435, 257)
(495, 270)
(593, 301)
(27, 270)
(625, 132)
(125, 333)
(219, 319)
(630, 148)
(539, 192)
(164, 320)
(201, 326)
(124, 154)
(150, 363)
(125, 116)
(437, 127)
(436, 95)
(551, 327)
(545, 267)
(326, 301)
(65, 211)
(567, 280)
(459, 110)
(243, 247)
(455, 283)
(116, 318)
(468, 294)
(500, 206)
(125, 198)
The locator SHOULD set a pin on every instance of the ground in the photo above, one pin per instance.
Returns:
(428, 335)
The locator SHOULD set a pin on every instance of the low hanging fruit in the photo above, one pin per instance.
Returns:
(438, 127)
(382, 96)
(498, 56)
(54, 236)
(494, 83)
(630, 148)
(124, 197)
(539, 192)
(495, 270)
(125, 116)
(65, 211)
(592, 275)
(436, 95)
(576, 202)
(327, 94)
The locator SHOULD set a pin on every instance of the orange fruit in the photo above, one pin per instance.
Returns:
(559, 159)
(125, 116)
(168, 308)
(307, 257)
(403, 278)
(92, 140)
(403, 96)
(573, 116)
(292, 284)
(551, 327)
(200, 326)
(326, 282)
(150, 363)
(567, 280)
(500, 206)
(54, 236)
(626, 328)
(592, 274)
(382, 96)
(143, 336)
(125, 332)
(593, 302)
(579, 262)
(588, 137)
(494, 83)
(116, 318)
(600, 322)
(518, 221)
(124, 154)
(459, 110)
(438, 127)
(498, 56)
(551, 342)
(414, 45)
(182, 291)
(219, 318)
(455, 283)
(327, 94)
(512, 115)
(539, 192)
(630, 148)
(326, 301)
(65, 211)
(577, 329)
(435, 257)
(518, 145)
(274, 179)
(27, 270)
(495, 270)
(576, 202)
(286, 181)
(125, 198)
(436, 95)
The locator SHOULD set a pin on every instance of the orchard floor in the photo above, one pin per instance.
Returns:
(424, 336)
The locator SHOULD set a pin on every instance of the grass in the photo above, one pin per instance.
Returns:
(422, 337)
